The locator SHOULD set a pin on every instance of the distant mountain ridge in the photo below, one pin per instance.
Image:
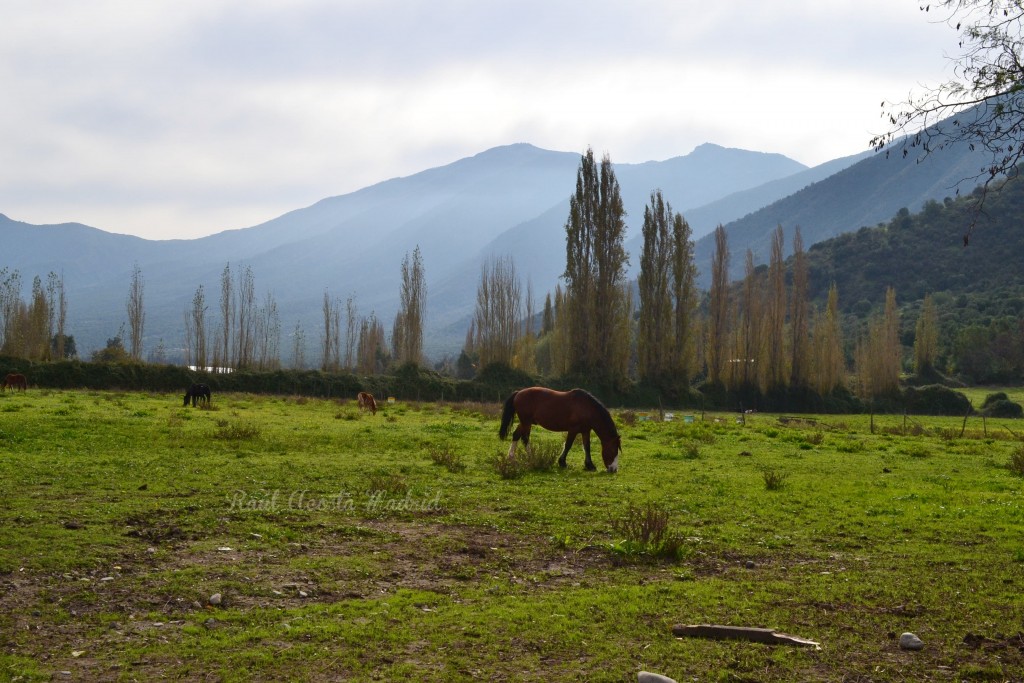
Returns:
(506, 200)
(353, 244)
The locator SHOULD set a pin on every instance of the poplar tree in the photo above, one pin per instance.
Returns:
(799, 323)
(407, 335)
(775, 372)
(684, 296)
(654, 329)
(298, 347)
(718, 309)
(829, 360)
(878, 354)
(195, 331)
(61, 347)
(498, 312)
(926, 338)
(744, 367)
(226, 316)
(351, 331)
(245, 310)
(371, 356)
(595, 271)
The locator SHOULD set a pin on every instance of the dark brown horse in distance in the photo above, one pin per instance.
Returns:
(366, 402)
(15, 380)
(576, 412)
(197, 393)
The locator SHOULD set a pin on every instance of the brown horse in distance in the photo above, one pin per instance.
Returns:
(576, 412)
(366, 402)
(15, 380)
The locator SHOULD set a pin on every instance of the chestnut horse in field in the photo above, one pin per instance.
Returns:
(366, 402)
(15, 380)
(576, 412)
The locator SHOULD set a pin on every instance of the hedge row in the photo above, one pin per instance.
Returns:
(493, 384)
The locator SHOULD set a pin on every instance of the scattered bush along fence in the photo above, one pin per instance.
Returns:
(493, 384)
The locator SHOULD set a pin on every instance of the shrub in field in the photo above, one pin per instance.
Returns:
(387, 482)
(774, 480)
(539, 457)
(236, 431)
(646, 531)
(1016, 464)
(691, 451)
(508, 468)
(994, 397)
(815, 438)
(935, 399)
(917, 451)
(1003, 408)
(448, 458)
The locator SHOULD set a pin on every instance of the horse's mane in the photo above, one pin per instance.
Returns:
(601, 410)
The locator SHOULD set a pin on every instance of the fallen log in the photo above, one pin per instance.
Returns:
(756, 635)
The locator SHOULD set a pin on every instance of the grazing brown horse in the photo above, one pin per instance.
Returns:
(574, 411)
(197, 393)
(366, 402)
(15, 381)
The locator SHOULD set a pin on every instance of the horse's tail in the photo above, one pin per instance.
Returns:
(507, 413)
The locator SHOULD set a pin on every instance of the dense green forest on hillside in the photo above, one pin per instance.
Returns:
(977, 288)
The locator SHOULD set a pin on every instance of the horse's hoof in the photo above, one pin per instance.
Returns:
(589, 467)
(561, 463)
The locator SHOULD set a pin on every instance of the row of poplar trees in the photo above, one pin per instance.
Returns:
(759, 334)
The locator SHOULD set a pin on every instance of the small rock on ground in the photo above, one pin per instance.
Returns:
(648, 677)
(908, 641)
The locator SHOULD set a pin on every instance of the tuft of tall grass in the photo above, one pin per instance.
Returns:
(236, 431)
(646, 530)
(448, 458)
(539, 457)
(774, 480)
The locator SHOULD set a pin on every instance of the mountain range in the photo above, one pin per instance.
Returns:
(510, 200)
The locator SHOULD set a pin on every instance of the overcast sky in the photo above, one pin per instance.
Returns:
(183, 118)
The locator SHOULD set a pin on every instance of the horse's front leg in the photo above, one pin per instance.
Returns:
(588, 464)
(570, 437)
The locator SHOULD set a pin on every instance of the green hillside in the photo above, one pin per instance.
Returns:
(978, 289)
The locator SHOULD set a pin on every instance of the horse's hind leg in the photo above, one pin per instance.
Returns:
(521, 432)
(588, 464)
(570, 437)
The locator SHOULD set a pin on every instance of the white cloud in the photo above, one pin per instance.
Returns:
(183, 118)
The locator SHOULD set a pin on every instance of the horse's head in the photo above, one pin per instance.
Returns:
(610, 449)
(186, 398)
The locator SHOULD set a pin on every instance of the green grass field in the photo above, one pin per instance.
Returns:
(345, 546)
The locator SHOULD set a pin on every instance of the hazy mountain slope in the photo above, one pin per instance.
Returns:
(865, 194)
(704, 219)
